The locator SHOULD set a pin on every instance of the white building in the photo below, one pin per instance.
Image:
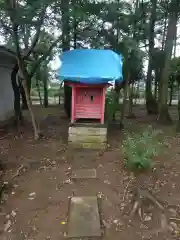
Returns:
(7, 61)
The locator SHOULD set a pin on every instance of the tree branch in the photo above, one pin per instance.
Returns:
(15, 27)
(38, 31)
(41, 59)
(16, 39)
(26, 32)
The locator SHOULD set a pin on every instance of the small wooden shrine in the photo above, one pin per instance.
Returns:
(88, 102)
(88, 72)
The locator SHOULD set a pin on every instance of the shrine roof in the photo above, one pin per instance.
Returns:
(90, 66)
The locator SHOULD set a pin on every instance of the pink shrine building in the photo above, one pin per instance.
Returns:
(88, 101)
(89, 72)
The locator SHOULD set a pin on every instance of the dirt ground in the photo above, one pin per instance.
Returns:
(35, 204)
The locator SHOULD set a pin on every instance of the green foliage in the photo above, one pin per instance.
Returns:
(136, 64)
(112, 104)
(139, 149)
(175, 70)
(122, 26)
(51, 92)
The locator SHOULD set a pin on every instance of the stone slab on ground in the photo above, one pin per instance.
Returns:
(83, 174)
(84, 219)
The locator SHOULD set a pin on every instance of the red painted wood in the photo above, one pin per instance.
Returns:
(83, 95)
(73, 104)
(87, 85)
(88, 101)
(103, 105)
(88, 111)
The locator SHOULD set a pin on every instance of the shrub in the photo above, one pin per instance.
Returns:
(139, 149)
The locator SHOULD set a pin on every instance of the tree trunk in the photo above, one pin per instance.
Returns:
(156, 83)
(178, 123)
(171, 93)
(28, 98)
(23, 95)
(160, 66)
(174, 75)
(124, 101)
(165, 28)
(137, 92)
(29, 103)
(17, 99)
(59, 98)
(67, 100)
(45, 85)
(66, 46)
(131, 95)
(39, 93)
(151, 104)
(116, 98)
(164, 116)
(178, 108)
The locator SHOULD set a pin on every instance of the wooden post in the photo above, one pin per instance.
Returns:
(103, 105)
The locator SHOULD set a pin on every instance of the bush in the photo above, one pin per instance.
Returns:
(139, 149)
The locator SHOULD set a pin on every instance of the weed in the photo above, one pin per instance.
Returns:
(139, 149)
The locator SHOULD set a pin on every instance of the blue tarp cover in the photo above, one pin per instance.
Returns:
(90, 66)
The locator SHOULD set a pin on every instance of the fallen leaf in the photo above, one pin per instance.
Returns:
(115, 221)
(106, 224)
(147, 218)
(63, 223)
(7, 225)
(68, 181)
(13, 213)
(31, 198)
(32, 194)
(107, 182)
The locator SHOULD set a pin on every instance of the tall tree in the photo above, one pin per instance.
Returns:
(16, 90)
(25, 19)
(65, 12)
(151, 103)
(164, 116)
